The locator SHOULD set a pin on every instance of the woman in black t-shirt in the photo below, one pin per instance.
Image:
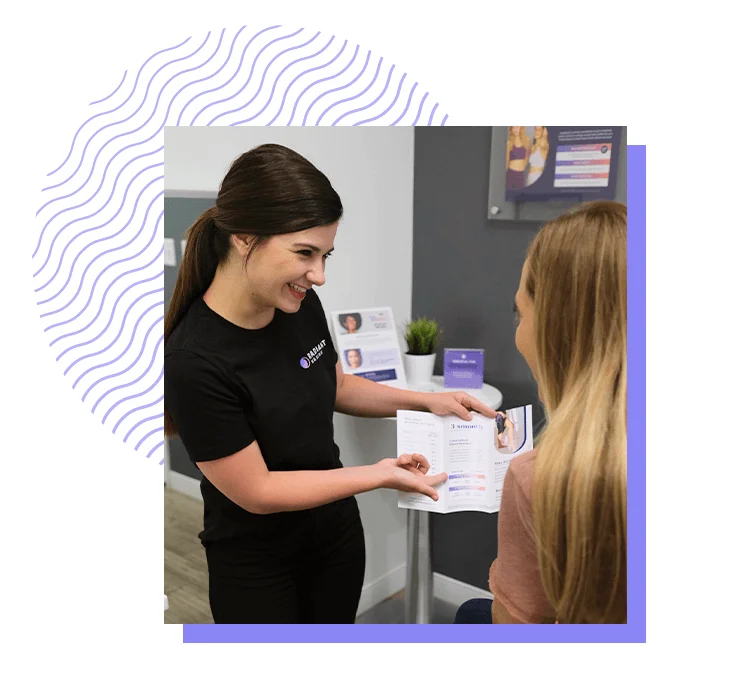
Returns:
(251, 384)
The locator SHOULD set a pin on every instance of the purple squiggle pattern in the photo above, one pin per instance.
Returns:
(98, 249)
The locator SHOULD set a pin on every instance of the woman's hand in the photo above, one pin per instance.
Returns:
(409, 473)
(457, 403)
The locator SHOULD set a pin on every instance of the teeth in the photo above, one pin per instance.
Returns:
(301, 290)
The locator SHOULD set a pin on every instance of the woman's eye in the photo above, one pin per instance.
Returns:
(309, 253)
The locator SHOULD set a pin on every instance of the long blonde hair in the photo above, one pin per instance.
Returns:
(577, 278)
(523, 137)
(542, 143)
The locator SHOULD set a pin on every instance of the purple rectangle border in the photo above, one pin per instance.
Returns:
(635, 629)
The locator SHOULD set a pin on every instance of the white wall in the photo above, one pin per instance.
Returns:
(372, 169)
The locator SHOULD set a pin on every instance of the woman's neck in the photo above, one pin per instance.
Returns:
(229, 296)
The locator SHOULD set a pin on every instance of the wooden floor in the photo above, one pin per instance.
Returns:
(186, 576)
(185, 572)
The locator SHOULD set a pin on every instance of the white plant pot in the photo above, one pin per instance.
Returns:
(419, 369)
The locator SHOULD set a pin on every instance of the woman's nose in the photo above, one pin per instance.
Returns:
(317, 275)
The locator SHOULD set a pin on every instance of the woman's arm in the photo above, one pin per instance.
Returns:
(514, 578)
(356, 396)
(245, 480)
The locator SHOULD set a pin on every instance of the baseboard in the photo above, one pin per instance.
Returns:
(185, 484)
(455, 592)
(382, 588)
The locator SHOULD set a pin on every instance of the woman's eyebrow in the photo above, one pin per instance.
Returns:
(312, 247)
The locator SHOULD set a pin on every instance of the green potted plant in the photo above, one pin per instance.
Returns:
(421, 341)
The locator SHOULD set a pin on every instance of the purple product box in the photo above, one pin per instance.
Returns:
(463, 369)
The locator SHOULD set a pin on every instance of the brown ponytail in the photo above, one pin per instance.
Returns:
(268, 191)
(199, 264)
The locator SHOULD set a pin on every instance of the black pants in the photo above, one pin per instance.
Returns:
(477, 611)
(308, 571)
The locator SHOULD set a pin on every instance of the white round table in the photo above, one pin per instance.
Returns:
(418, 593)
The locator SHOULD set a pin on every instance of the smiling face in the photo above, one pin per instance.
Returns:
(284, 267)
(350, 323)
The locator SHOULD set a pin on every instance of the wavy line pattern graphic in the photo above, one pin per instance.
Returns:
(98, 254)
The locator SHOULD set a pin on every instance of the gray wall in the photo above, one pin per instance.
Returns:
(179, 214)
(466, 273)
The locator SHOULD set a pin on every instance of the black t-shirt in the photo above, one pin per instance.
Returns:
(226, 386)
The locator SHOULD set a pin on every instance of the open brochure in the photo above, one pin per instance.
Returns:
(475, 454)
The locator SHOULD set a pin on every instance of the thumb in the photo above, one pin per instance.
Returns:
(463, 412)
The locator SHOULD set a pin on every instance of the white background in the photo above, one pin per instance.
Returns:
(82, 561)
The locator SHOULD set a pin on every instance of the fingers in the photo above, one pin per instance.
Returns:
(468, 403)
(463, 413)
(479, 407)
(414, 459)
(421, 461)
(461, 406)
(436, 479)
(427, 484)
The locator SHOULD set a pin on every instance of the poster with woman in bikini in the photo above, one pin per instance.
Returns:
(517, 153)
(556, 163)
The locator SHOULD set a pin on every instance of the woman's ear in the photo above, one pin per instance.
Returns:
(241, 243)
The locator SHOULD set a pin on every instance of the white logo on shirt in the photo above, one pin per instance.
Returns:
(313, 355)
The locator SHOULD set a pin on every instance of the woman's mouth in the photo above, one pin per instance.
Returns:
(296, 291)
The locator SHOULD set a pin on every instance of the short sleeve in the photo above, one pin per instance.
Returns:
(205, 407)
(514, 576)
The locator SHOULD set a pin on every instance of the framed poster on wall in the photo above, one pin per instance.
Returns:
(550, 162)
(536, 172)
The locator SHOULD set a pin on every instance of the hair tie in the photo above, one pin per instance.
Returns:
(210, 219)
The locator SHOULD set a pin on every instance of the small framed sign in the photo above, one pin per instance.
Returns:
(463, 368)
(368, 345)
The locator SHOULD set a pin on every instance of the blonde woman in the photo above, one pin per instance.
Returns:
(516, 157)
(538, 155)
(562, 539)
